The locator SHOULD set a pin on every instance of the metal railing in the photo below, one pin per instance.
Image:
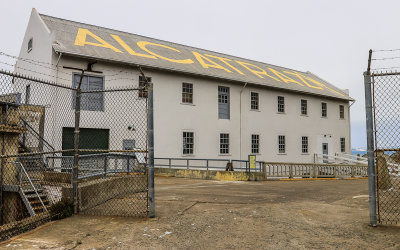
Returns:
(271, 169)
(93, 165)
(204, 164)
(313, 170)
(21, 171)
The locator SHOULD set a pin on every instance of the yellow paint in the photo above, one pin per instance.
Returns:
(143, 45)
(210, 64)
(129, 49)
(80, 40)
(284, 77)
(252, 161)
(226, 61)
(257, 73)
(204, 60)
(301, 77)
(318, 83)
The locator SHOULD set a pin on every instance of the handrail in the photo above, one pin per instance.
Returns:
(37, 134)
(30, 181)
(322, 156)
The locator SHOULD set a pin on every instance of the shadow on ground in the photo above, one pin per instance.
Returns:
(194, 214)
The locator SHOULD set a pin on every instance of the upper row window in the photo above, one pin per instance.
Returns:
(187, 93)
(142, 84)
(324, 109)
(30, 45)
(281, 104)
(89, 101)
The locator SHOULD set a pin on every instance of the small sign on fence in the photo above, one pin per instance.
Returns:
(252, 165)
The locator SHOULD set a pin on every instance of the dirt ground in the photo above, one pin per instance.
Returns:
(204, 214)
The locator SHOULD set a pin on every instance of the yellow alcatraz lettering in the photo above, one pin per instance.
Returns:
(323, 85)
(210, 64)
(226, 61)
(80, 40)
(284, 77)
(129, 49)
(143, 44)
(302, 78)
(257, 73)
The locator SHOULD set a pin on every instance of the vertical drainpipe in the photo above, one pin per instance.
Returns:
(350, 125)
(54, 115)
(240, 121)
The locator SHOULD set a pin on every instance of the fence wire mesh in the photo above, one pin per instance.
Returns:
(386, 102)
(39, 151)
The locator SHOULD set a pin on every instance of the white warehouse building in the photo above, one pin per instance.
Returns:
(206, 104)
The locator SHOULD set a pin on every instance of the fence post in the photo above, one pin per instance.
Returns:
(353, 171)
(370, 145)
(187, 163)
(207, 164)
(334, 171)
(169, 162)
(105, 166)
(290, 171)
(76, 144)
(150, 138)
(127, 167)
(315, 174)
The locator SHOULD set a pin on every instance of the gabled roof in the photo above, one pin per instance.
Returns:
(83, 40)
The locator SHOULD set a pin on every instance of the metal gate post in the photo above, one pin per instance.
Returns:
(150, 139)
(76, 144)
(370, 146)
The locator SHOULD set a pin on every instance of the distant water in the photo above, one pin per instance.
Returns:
(356, 152)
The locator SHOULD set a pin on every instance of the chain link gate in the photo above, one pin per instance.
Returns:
(382, 93)
(53, 165)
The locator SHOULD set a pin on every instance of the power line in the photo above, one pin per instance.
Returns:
(385, 50)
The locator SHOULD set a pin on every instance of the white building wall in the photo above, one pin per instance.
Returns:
(171, 117)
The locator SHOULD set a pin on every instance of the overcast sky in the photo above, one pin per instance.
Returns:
(328, 38)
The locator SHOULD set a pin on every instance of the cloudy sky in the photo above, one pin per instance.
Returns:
(328, 38)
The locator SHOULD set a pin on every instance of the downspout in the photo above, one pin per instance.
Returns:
(54, 102)
(352, 102)
(240, 121)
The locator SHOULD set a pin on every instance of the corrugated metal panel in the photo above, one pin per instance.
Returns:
(96, 42)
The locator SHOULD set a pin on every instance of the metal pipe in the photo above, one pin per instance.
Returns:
(240, 121)
(76, 144)
(150, 139)
(370, 147)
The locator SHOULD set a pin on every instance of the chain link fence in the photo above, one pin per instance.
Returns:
(382, 104)
(386, 92)
(80, 148)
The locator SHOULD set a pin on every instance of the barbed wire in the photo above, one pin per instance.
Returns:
(385, 58)
(385, 50)
(43, 64)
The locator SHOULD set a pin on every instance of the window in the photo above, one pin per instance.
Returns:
(342, 144)
(281, 144)
(142, 83)
(89, 101)
(30, 45)
(187, 92)
(223, 103)
(188, 143)
(304, 144)
(303, 104)
(27, 94)
(255, 144)
(324, 111)
(128, 144)
(281, 104)
(254, 100)
(341, 111)
(224, 143)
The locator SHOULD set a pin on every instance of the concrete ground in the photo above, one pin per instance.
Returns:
(204, 214)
